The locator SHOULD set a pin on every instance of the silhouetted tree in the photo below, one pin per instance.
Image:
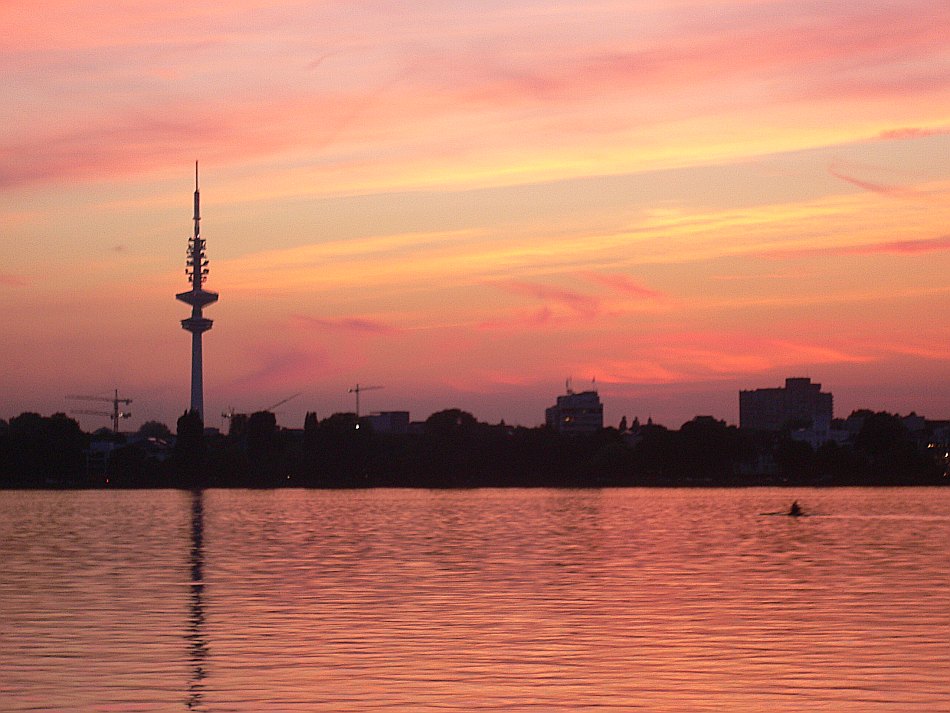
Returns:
(795, 461)
(839, 464)
(447, 457)
(237, 426)
(261, 427)
(656, 456)
(154, 429)
(892, 453)
(709, 450)
(450, 422)
(45, 451)
(310, 426)
(339, 423)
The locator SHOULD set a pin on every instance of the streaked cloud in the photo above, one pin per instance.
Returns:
(541, 317)
(873, 187)
(274, 366)
(903, 247)
(893, 247)
(346, 324)
(479, 198)
(584, 305)
(912, 132)
(624, 285)
(8, 280)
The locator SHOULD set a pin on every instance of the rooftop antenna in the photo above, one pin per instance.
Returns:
(196, 268)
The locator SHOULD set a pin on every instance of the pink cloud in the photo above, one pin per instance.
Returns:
(894, 247)
(402, 88)
(903, 247)
(704, 355)
(9, 280)
(153, 137)
(922, 352)
(531, 320)
(489, 380)
(635, 371)
(582, 304)
(623, 284)
(347, 324)
(113, 145)
(878, 188)
(795, 275)
(285, 368)
(911, 132)
(793, 44)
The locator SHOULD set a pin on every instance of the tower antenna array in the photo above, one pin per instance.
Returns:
(196, 268)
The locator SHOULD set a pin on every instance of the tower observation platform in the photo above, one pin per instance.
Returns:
(196, 268)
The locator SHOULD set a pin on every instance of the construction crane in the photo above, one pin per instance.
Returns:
(281, 403)
(115, 414)
(229, 414)
(356, 390)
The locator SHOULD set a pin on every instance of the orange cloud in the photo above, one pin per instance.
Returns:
(624, 285)
(158, 137)
(902, 247)
(633, 371)
(895, 247)
(8, 280)
(912, 132)
(923, 352)
(531, 320)
(322, 124)
(347, 324)
(703, 356)
(880, 188)
(404, 109)
(584, 305)
(284, 366)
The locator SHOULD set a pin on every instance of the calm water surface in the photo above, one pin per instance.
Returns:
(484, 600)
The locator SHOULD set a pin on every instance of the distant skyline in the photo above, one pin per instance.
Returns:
(469, 204)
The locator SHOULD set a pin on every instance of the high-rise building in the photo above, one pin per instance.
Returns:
(576, 413)
(196, 267)
(800, 403)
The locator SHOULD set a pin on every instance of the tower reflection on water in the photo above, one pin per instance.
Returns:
(198, 643)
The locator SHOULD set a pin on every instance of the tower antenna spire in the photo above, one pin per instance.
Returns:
(196, 267)
(197, 217)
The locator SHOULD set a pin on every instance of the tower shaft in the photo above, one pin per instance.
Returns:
(196, 267)
(197, 376)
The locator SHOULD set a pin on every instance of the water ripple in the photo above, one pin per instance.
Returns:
(492, 600)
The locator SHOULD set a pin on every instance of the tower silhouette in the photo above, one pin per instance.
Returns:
(196, 267)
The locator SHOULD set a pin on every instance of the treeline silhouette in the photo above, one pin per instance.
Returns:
(454, 450)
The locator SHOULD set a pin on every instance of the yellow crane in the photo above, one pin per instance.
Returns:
(115, 414)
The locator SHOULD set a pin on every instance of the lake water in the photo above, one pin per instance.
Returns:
(481, 600)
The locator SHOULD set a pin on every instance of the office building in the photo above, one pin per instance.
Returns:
(799, 404)
(576, 413)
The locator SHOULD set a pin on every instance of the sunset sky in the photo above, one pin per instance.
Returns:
(468, 203)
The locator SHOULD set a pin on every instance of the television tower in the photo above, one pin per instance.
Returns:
(196, 267)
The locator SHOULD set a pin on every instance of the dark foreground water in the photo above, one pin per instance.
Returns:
(485, 600)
